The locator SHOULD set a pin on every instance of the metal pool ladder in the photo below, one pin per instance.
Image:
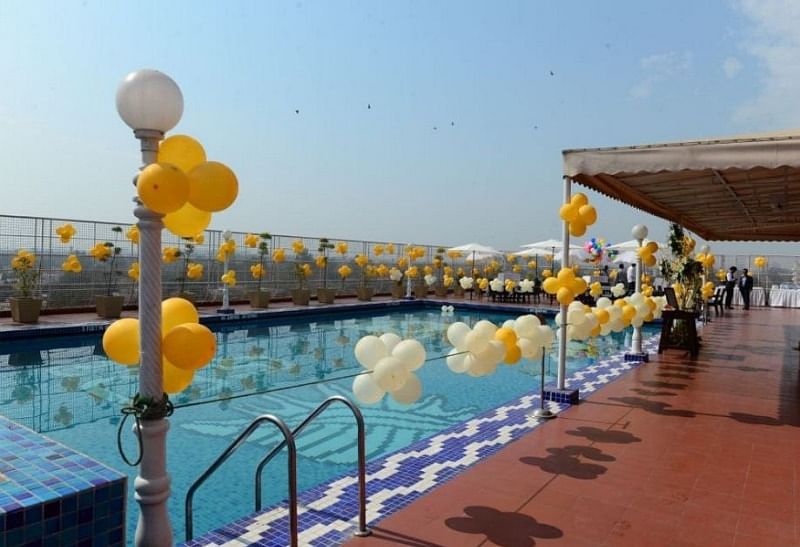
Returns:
(362, 458)
(289, 440)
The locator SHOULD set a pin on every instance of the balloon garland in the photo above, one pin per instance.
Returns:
(566, 286)
(647, 253)
(578, 213)
(392, 362)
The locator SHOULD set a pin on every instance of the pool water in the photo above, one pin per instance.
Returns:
(67, 389)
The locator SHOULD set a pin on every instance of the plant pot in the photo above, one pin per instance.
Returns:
(260, 299)
(397, 291)
(458, 292)
(25, 310)
(420, 291)
(441, 292)
(109, 306)
(364, 293)
(300, 297)
(326, 296)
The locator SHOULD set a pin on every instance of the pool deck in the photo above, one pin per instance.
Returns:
(677, 452)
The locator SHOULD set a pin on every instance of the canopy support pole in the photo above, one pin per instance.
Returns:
(562, 340)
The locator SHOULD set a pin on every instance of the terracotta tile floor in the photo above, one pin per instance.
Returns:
(679, 452)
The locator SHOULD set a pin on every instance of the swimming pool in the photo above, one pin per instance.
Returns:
(67, 389)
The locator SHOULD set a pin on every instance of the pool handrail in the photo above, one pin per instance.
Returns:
(363, 530)
(233, 447)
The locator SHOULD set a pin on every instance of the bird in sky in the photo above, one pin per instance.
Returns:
(297, 112)
(369, 106)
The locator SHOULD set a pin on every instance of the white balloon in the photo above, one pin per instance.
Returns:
(476, 341)
(366, 390)
(642, 310)
(558, 319)
(411, 353)
(390, 340)
(604, 302)
(497, 351)
(410, 392)
(576, 317)
(390, 373)
(591, 320)
(525, 326)
(527, 348)
(637, 322)
(636, 299)
(457, 361)
(547, 335)
(369, 350)
(485, 327)
(575, 305)
(605, 329)
(457, 334)
(509, 324)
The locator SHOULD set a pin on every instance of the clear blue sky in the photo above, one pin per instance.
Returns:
(507, 85)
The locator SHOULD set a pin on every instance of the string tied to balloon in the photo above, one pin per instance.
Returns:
(142, 408)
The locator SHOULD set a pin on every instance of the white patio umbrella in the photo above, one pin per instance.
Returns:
(630, 245)
(550, 244)
(626, 257)
(477, 251)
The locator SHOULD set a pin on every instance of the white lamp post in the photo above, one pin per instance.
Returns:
(409, 296)
(226, 305)
(151, 103)
(639, 232)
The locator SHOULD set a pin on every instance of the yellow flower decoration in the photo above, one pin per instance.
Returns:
(448, 280)
(437, 262)
(448, 270)
(377, 250)
(133, 234)
(321, 261)
(298, 247)
(483, 284)
(194, 270)
(65, 232)
(344, 271)
(229, 278)
(454, 254)
(402, 263)
(341, 248)
(133, 271)
(612, 275)
(361, 260)
(511, 259)
(516, 268)
(170, 255)
(510, 285)
(532, 264)
(199, 238)
(382, 270)
(257, 271)
(428, 270)
(412, 272)
(460, 272)
(721, 274)
(279, 255)
(390, 248)
(251, 240)
(23, 261)
(100, 252)
(759, 262)
(72, 264)
(306, 270)
(226, 250)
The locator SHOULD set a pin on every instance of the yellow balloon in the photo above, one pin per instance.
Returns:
(579, 199)
(189, 346)
(578, 285)
(587, 214)
(566, 276)
(551, 285)
(577, 228)
(175, 379)
(602, 315)
(187, 221)
(652, 246)
(650, 261)
(181, 151)
(177, 311)
(121, 341)
(506, 336)
(162, 187)
(513, 355)
(628, 312)
(568, 212)
(212, 186)
(620, 303)
(565, 296)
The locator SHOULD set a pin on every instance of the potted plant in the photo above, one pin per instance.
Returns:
(396, 275)
(344, 272)
(109, 305)
(324, 294)
(25, 308)
(363, 292)
(439, 283)
(301, 296)
(190, 270)
(260, 297)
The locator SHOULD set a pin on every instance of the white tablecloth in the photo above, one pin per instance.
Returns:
(756, 297)
(784, 298)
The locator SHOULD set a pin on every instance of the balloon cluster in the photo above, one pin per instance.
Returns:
(648, 253)
(619, 290)
(478, 350)
(466, 283)
(760, 262)
(708, 290)
(392, 362)
(596, 289)
(578, 214)
(596, 249)
(186, 345)
(707, 260)
(447, 310)
(566, 286)
(584, 321)
(185, 187)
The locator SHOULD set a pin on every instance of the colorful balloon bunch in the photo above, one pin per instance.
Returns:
(648, 253)
(478, 350)
(392, 362)
(185, 187)
(596, 249)
(566, 286)
(186, 345)
(760, 262)
(578, 213)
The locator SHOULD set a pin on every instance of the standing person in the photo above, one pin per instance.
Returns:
(730, 284)
(745, 287)
(631, 278)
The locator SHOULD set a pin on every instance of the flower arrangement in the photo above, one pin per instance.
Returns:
(65, 232)
(258, 270)
(107, 252)
(23, 265)
(362, 261)
(682, 269)
(344, 272)
(72, 264)
(302, 272)
(133, 234)
(190, 270)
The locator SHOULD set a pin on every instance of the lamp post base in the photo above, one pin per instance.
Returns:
(226, 311)
(637, 357)
(543, 414)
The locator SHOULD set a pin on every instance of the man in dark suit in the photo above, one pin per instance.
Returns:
(746, 287)
(730, 285)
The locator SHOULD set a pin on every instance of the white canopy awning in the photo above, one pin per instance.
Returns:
(737, 188)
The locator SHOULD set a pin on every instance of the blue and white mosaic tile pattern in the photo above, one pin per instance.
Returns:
(328, 513)
(52, 495)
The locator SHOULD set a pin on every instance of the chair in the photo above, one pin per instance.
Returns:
(717, 300)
